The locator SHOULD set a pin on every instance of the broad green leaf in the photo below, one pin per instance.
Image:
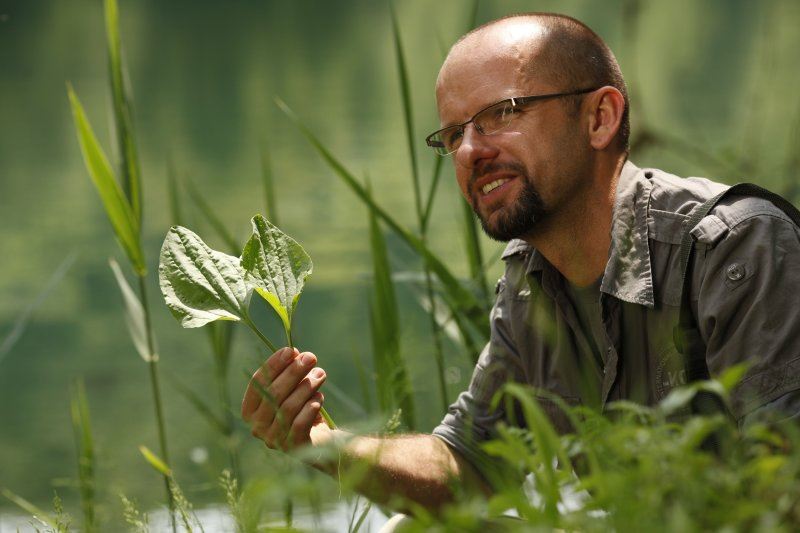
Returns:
(277, 267)
(458, 297)
(134, 314)
(123, 220)
(123, 122)
(155, 461)
(199, 284)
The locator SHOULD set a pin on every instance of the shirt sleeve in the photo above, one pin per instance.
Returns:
(748, 309)
(470, 420)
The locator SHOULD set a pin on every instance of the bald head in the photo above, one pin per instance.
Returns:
(548, 48)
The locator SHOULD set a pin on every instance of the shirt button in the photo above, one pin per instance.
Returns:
(735, 272)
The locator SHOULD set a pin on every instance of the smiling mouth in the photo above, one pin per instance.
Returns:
(489, 187)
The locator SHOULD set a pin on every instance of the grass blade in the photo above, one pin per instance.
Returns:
(408, 114)
(215, 222)
(129, 162)
(154, 461)
(84, 446)
(24, 317)
(123, 220)
(393, 385)
(363, 380)
(458, 297)
(134, 314)
(474, 254)
(270, 209)
(30, 508)
(437, 174)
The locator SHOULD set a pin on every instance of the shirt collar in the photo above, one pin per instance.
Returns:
(628, 274)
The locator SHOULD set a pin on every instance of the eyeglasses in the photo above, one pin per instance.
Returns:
(488, 120)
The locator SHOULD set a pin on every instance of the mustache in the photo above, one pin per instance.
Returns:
(478, 173)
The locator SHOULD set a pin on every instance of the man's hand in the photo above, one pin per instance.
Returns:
(282, 401)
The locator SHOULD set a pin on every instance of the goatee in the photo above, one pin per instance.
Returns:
(517, 220)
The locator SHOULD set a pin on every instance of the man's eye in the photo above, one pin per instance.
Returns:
(451, 137)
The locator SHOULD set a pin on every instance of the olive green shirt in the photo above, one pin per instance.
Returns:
(744, 293)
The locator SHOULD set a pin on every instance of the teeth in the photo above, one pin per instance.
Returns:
(489, 187)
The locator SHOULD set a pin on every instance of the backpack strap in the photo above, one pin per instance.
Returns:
(686, 334)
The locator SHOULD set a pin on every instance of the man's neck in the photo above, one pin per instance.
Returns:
(577, 240)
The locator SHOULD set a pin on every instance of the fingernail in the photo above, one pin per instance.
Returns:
(287, 356)
(307, 359)
(317, 373)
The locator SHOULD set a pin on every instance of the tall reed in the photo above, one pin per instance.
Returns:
(122, 202)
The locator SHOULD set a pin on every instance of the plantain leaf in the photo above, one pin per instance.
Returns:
(277, 267)
(134, 314)
(200, 285)
(125, 224)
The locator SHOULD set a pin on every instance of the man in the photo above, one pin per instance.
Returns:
(535, 116)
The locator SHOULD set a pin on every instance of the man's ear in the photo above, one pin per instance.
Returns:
(607, 106)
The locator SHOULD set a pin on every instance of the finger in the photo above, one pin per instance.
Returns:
(288, 380)
(301, 427)
(263, 377)
(290, 407)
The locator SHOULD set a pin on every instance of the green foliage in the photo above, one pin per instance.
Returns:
(200, 285)
(123, 116)
(276, 266)
(134, 314)
(393, 386)
(123, 219)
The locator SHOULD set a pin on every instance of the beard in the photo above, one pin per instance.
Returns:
(517, 220)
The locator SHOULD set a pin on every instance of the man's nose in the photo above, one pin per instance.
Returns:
(474, 147)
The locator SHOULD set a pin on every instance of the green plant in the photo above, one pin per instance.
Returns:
(122, 202)
(201, 285)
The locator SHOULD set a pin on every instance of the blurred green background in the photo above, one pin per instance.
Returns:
(713, 89)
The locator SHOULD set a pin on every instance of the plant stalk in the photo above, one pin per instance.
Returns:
(152, 364)
(265, 340)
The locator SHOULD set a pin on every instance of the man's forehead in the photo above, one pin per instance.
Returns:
(515, 41)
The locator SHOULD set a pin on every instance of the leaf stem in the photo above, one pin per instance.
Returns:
(325, 416)
(260, 335)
